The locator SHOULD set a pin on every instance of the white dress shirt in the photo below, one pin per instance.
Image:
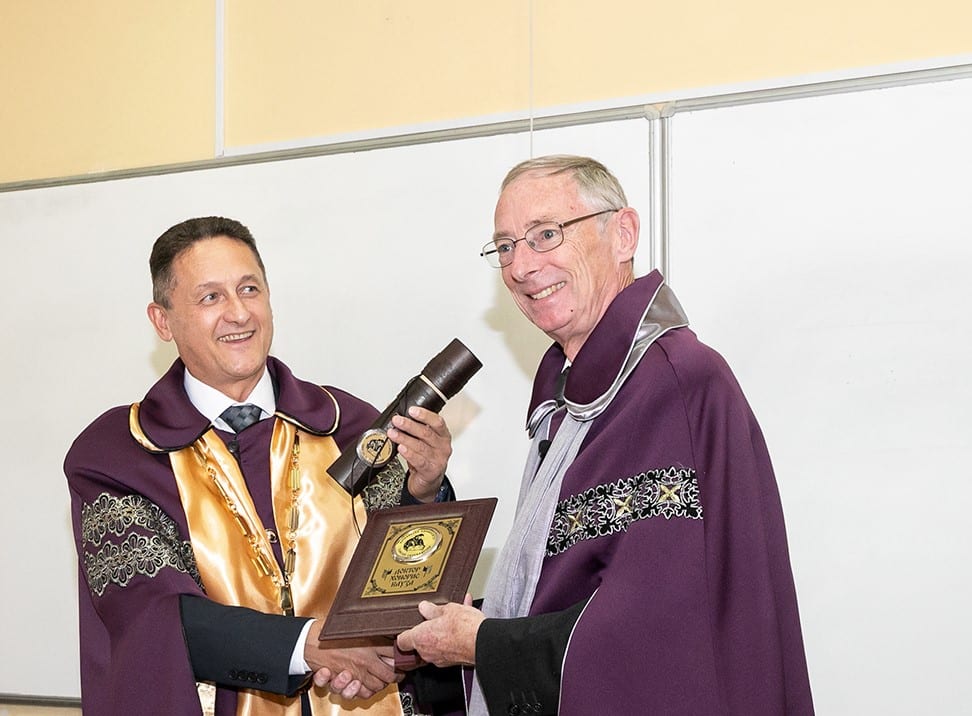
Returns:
(211, 403)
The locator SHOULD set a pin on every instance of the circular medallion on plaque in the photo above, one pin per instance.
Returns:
(416, 544)
(375, 448)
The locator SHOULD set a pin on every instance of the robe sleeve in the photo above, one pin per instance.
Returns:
(135, 563)
(752, 599)
(524, 685)
(693, 614)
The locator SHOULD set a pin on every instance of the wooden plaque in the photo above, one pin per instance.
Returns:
(407, 555)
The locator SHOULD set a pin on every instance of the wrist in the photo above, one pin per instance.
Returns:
(424, 493)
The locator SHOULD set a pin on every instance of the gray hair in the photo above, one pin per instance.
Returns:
(596, 185)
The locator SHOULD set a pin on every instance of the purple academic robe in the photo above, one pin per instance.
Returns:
(134, 557)
(668, 541)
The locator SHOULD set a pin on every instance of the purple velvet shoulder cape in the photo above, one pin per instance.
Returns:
(131, 536)
(669, 521)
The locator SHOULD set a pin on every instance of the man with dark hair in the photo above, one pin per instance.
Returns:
(646, 571)
(209, 534)
(181, 237)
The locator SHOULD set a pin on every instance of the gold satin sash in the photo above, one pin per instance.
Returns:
(224, 526)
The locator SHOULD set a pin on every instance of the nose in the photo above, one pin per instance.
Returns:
(525, 262)
(236, 310)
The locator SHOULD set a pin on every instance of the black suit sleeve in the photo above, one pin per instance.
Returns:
(437, 690)
(512, 683)
(240, 647)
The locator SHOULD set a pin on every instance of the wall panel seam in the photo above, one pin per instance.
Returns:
(516, 126)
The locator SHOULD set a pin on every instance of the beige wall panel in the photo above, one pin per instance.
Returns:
(18, 710)
(121, 84)
(97, 86)
(318, 70)
(310, 69)
(626, 48)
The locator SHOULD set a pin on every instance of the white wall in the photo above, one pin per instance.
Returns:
(824, 246)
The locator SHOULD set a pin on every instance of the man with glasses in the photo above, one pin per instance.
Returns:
(647, 569)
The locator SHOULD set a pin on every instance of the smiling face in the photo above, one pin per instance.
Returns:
(219, 315)
(565, 292)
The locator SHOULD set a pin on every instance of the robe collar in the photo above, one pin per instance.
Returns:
(637, 316)
(169, 421)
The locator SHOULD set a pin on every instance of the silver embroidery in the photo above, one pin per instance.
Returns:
(153, 547)
(607, 509)
(408, 706)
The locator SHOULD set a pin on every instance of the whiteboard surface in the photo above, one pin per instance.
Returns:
(374, 267)
(821, 245)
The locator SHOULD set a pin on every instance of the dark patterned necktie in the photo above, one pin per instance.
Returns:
(240, 417)
(561, 384)
(558, 417)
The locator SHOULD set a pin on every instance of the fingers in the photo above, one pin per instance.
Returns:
(422, 422)
(406, 640)
(425, 442)
(429, 610)
(377, 674)
(423, 432)
(343, 684)
(447, 637)
(343, 680)
(355, 690)
(360, 671)
(322, 677)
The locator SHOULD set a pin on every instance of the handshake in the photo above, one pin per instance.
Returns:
(360, 668)
(353, 668)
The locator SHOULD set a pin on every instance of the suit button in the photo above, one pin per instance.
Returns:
(233, 675)
(262, 679)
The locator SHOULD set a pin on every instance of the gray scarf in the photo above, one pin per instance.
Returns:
(513, 580)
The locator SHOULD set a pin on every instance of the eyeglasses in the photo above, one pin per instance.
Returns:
(542, 237)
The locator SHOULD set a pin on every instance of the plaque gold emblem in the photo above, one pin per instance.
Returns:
(413, 558)
(407, 555)
(416, 544)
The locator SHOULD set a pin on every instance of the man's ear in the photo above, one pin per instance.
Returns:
(160, 320)
(628, 226)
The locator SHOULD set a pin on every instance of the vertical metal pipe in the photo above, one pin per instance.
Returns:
(659, 122)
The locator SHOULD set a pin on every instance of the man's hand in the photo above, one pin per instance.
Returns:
(425, 442)
(352, 668)
(343, 684)
(448, 636)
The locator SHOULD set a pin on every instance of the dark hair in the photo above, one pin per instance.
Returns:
(181, 237)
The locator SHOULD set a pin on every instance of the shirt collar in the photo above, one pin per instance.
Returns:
(211, 402)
